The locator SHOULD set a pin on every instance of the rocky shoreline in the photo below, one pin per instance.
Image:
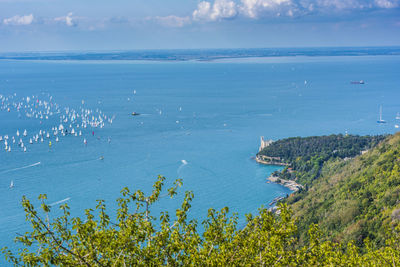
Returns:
(292, 185)
(262, 161)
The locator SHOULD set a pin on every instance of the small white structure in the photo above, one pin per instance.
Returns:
(264, 143)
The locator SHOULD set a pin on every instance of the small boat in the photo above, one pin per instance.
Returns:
(380, 116)
(135, 114)
(12, 184)
(396, 126)
(397, 116)
(357, 82)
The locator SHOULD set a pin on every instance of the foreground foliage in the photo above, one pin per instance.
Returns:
(137, 238)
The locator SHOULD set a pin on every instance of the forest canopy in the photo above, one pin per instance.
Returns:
(305, 156)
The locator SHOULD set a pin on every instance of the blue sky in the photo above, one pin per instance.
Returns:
(47, 25)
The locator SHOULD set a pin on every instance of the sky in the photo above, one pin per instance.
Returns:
(59, 25)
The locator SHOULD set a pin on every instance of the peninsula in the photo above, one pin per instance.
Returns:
(304, 157)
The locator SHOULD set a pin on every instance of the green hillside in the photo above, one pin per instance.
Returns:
(306, 155)
(354, 199)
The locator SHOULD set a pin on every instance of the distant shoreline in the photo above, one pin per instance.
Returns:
(201, 55)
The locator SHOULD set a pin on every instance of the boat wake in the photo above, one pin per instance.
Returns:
(184, 163)
(77, 162)
(59, 202)
(21, 168)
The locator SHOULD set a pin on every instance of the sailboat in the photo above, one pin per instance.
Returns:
(380, 116)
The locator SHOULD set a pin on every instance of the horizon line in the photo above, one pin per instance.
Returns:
(194, 49)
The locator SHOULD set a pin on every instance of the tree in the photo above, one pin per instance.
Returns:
(139, 239)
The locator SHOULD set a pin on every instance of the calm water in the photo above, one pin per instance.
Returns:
(212, 116)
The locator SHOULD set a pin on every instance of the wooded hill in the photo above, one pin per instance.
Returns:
(357, 199)
(307, 155)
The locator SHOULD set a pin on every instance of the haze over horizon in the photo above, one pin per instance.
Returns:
(57, 25)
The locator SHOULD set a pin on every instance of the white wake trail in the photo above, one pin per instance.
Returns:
(16, 169)
(184, 163)
(59, 202)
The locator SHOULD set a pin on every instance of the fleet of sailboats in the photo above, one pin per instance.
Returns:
(42, 107)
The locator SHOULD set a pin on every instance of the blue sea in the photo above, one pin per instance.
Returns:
(201, 121)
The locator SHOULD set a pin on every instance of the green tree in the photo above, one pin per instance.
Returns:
(137, 238)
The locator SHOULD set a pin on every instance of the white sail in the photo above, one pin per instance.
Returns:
(380, 115)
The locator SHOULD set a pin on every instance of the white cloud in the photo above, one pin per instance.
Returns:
(225, 9)
(19, 20)
(68, 20)
(221, 9)
(387, 3)
(327, 5)
(342, 4)
(203, 11)
(254, 8)
(173, 21)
